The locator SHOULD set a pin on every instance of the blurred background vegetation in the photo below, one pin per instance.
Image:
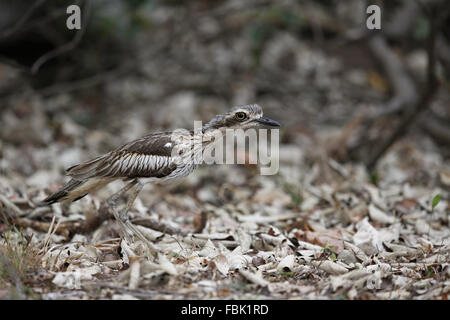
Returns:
(313, 63)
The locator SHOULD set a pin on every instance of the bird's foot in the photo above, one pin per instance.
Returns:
(131, 230)
(136, 232)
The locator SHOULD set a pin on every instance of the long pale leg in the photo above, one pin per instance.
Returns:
(122, 216)
(112, 203)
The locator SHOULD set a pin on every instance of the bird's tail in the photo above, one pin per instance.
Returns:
(65, 193)
(76, 189)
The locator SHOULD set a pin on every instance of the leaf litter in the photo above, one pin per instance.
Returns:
(331, 249)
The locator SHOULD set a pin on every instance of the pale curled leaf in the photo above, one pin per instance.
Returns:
(326, 238)
(330, 267)
(367, 238)
(126, 251)
(208, 250)
(150, 234)
(348, 279)
(308, 246)
(379, 215)
(287, 264)
(221, 263)
(359, 253)
(245, 239)
(238, 261)
(166, 265)
(72, 279)
(394, 295)
(255, 278)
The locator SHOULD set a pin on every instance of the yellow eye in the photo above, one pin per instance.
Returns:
(240, 116)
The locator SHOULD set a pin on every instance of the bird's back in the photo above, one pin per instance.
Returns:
(148, 158)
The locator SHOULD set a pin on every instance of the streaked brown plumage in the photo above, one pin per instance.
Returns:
(147, 157)
(155, 157)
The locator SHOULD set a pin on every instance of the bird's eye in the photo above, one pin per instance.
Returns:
(240, 116)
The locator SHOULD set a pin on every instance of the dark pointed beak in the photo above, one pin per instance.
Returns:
(268, 122)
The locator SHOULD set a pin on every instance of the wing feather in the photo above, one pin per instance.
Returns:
(149, 156)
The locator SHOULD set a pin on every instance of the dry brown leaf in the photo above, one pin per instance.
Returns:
(323, 238)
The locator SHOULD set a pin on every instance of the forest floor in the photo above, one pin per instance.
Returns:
(316, 230)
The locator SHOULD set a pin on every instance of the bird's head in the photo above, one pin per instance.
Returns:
(241, 117)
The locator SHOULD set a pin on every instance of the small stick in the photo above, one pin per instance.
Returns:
(159, 226)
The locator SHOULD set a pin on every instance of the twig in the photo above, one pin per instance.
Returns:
(202, 223)
(23, 19)
(443, 51)
(135, 271)
(425, 99)
(45, 241)
(403, 87)
(402, 20)
(86, 82)
(159, 226)
(65, 228)
(66, 47)
(437, 128)
(8, 204)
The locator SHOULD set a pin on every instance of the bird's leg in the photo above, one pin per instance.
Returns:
(112, 204)
(126, 223)
(122, 217)
(123, 213)
(111, 201)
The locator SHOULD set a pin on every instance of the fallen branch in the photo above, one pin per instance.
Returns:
(438, 129)
(426, 96)
(67, 228)
(20, 22)
(159, 226)
(66, 47)
(403, 86)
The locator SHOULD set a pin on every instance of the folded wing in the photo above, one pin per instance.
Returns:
(149, 156)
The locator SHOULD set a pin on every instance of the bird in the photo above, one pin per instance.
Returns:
(158, 157)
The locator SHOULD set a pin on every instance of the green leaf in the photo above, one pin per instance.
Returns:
(435, 201)
(375, 178)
